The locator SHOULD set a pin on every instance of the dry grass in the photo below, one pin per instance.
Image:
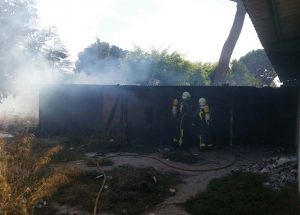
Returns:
(27, 177)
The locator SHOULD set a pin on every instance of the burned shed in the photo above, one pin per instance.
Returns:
(241, 115)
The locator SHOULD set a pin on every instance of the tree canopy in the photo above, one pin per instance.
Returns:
(99, 57)
(23, 46)
(16, 20)
(253, 69)
(154, 67)
(164, 67)
(259, 65)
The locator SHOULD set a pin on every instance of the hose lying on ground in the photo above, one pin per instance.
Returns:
(153, 158)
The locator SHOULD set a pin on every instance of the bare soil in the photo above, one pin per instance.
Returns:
(193, 182)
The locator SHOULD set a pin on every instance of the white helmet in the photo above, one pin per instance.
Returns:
(202, 101)
(186, 95)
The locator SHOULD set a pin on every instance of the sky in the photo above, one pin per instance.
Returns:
(194, 28)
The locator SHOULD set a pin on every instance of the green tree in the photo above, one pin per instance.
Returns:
(16, 19)
(170, 68)
(138, 67)
(57, 54)
(99, 57)
(207, 70)
(161, 67)
(258, 64)
(154, 67)
(239, 75)
(23, 47)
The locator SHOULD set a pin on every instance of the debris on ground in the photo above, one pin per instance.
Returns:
(280, 171)
(128, 190)
(135, 190)
(172, 190)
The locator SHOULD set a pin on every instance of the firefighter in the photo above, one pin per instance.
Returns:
(203, 122)
(185, 125)
(175, 121)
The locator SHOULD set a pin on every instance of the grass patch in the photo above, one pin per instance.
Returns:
(130, 190)
(244, 193)
(181, 156)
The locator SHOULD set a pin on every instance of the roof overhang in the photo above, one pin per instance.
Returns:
(277, 23)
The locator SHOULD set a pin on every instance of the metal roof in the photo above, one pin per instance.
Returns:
(277, 23)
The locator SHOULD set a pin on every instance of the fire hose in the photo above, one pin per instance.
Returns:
(97, 200)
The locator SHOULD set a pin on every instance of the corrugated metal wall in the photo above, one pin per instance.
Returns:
(260, 116)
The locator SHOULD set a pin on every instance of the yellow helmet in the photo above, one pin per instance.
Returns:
(175, 102)
(186, 95)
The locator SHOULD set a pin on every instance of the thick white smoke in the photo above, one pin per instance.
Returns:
(101, 64)
(29, 76)
(125, 73)
(23, 63)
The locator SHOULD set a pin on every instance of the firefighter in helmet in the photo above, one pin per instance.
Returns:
(185, 112)
(174, 129)
(203, 122)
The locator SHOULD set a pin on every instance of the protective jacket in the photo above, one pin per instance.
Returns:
(185, 123)
(203, 126)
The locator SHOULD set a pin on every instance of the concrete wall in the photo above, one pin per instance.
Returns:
(260, 116)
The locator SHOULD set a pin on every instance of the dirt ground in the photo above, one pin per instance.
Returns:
(193, 182)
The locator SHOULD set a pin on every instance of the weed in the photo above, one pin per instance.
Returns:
(243, 193)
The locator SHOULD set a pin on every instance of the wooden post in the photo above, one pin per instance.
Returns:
(231, 120)
(231, 128)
